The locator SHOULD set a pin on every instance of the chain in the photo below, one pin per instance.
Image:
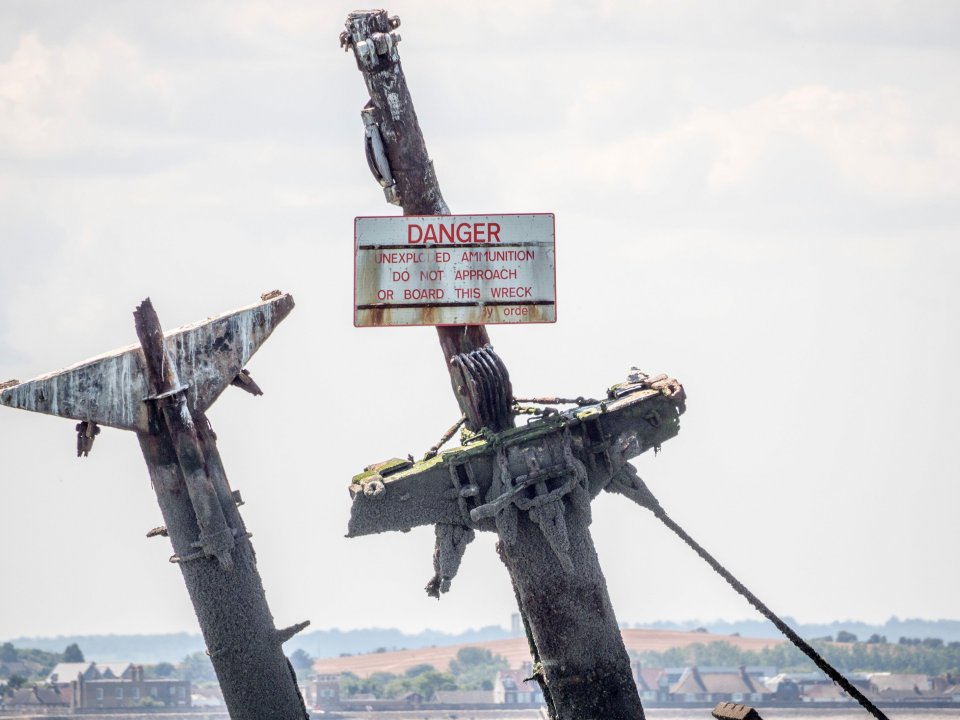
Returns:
(519, 410)
(547, 401)
(445, 438)
(579, 401)
(541, 412)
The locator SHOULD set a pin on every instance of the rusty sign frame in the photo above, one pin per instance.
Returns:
(530, 232)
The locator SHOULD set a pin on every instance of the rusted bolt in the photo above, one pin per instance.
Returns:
(87, 431)
(374, 488)
(366, 52)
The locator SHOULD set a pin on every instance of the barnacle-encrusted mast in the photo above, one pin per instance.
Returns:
(161, 390)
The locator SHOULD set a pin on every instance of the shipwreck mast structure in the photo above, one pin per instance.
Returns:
(160, 390)
(533, 490)
(532, 486)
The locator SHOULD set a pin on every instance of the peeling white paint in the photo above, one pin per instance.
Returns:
(393, 101)
(110, 388)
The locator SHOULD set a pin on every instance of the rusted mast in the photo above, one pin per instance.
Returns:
(582, 664)
(161, 392)
(398, 156)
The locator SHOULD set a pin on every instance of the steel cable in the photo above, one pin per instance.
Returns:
(798, 641)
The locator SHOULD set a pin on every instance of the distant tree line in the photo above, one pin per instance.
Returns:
(929, 656)
(473, 668)
(43, 660)
(195, 667)
(38, 664)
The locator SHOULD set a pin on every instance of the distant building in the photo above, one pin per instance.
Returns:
(327, 691)
(206, 697)
(652, 683)
(730, 685)
(36, 698)
(463, 697)
(511, 687)
(909, 687)
(824, 692)
(65, 673)
(116, 685)
(814, 687)
(900, 682)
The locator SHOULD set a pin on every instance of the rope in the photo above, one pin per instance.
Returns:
(432, 452)
(801, 644)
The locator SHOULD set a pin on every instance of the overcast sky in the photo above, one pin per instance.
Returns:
(761, 199)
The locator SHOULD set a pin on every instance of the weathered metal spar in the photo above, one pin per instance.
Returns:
(533, 485)
(161, 391)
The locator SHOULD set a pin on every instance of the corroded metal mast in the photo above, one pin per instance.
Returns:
(161, 391)
(397, 155)
(532, 488)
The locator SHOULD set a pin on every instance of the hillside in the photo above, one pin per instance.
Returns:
(516, 651)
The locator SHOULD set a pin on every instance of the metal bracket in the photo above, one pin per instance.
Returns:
(377, 156)
(532, 493)
(463, 479)
(169, 393)
(596, 444)
(288, 632)
(217, 545)
(379, 45)
(87, 431)
(628, 483)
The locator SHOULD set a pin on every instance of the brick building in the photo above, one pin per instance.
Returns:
(511, 687)
(116, 685)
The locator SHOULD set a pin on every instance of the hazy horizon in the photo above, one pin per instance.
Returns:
(761, 200)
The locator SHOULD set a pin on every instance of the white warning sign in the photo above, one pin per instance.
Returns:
(454, 270)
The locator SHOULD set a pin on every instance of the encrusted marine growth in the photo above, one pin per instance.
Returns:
(533, 486)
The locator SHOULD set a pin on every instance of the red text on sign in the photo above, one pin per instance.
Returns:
(437, 232)
(511, 292)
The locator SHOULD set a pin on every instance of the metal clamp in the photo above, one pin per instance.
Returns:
(510, 495)
(465, 490)
(216, 545)
(596, 443)
(377, 156)
(169, 393)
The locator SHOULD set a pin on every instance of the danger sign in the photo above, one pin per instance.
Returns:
(454, 270)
